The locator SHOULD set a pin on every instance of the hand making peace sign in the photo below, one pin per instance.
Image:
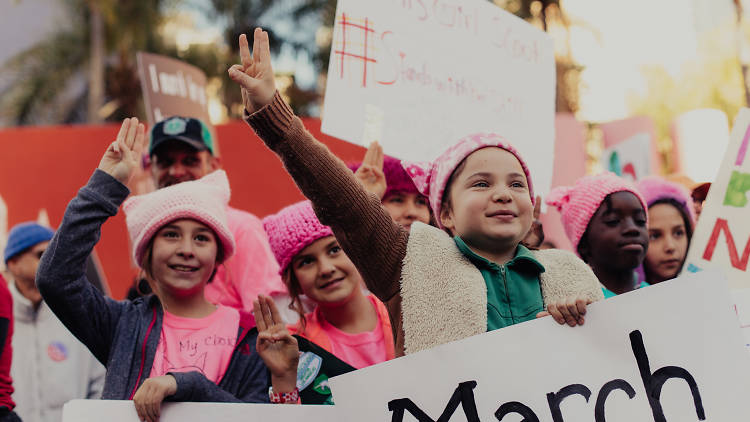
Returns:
(255, 74)
(123, 155)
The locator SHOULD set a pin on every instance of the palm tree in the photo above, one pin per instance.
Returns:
(86, 71)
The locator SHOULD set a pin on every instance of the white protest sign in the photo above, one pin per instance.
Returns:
(722, 238)
(124, 411)
(630, 158)
(669, 352)
(421, 75)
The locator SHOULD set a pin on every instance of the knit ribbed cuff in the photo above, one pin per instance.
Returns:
(273, 121)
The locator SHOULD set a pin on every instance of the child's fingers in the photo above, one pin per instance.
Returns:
(123, 129)
(542, 314)
(265, 49)
(245, 57)
(140, 140)
(565, 311)
(130, 136)
(369, 157)
(257, 33)
(380, 155)
(275, 316)
(581, 305)
(556, 314)
(242, 78)
(266, 311)
(258, 314)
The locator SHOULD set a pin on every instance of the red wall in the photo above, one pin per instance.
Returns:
(43, 167)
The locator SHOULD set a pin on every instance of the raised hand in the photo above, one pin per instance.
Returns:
(123, 155)
(277, 348)
(151, 394)
(255, 74)
(535, 236)
(370, 173)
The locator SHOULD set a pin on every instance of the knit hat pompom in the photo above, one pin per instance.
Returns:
(559, 197)
(577, 204)
(293, 229)
(204, 200)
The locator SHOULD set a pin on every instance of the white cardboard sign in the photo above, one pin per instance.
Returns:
(418, 75)
(124, 411)
(722, 237)
(669, 352)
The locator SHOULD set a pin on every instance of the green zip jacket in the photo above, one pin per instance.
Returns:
(513, 291)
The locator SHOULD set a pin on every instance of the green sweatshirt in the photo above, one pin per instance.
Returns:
(513, 291)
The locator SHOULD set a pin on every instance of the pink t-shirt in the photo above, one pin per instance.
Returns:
(197, 344)
(358, 350)
(251, 270)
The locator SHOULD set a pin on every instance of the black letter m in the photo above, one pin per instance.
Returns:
(464, 394)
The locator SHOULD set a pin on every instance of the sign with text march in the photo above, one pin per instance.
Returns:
(669, 352)
(418, 75)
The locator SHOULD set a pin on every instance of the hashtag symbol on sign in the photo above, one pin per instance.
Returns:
(348, 49)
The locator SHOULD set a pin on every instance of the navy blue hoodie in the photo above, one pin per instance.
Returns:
(123, 335)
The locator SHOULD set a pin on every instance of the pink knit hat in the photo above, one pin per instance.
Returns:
(655, 188)
(293, 229)
(577, 204)
(204, 200)
(396, 179)
(431, 178)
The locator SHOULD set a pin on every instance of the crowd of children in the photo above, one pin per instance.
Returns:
(382, 260)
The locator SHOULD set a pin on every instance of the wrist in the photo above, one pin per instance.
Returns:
(285, 383)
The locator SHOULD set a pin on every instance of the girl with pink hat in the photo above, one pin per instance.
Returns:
(345, 322)
(172, 345)
(466, 277)
(670, 228)
(605, 218)
(386, 177)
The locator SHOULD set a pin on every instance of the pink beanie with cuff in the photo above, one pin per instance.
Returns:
(204, 200)
(577, 204)
(293, 229)
(432, 178)
(655, 188)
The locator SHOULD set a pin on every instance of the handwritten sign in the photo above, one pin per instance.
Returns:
(124, 411)
(630, 158)
(172, 88)
(722, 237)
(424, 74)
(642, 356)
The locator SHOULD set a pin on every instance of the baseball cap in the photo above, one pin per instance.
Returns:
(186, 129)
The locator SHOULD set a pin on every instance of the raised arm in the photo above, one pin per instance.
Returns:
(90, 316)
(368, 235)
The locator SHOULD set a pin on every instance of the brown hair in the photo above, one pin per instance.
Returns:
(295, 291)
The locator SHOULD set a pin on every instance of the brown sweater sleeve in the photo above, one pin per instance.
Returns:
(367, 233)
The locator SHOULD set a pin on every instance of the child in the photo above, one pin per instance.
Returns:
(352, 326)
(670, 228)
(173, 344)
(437, 287)
(605, 219)
(386, 177)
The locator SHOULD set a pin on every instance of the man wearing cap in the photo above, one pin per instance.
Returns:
(182, 149)
(50, 366)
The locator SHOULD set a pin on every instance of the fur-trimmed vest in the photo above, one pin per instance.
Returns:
(444, 296)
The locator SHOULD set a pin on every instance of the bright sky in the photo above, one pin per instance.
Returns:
(615, 39)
